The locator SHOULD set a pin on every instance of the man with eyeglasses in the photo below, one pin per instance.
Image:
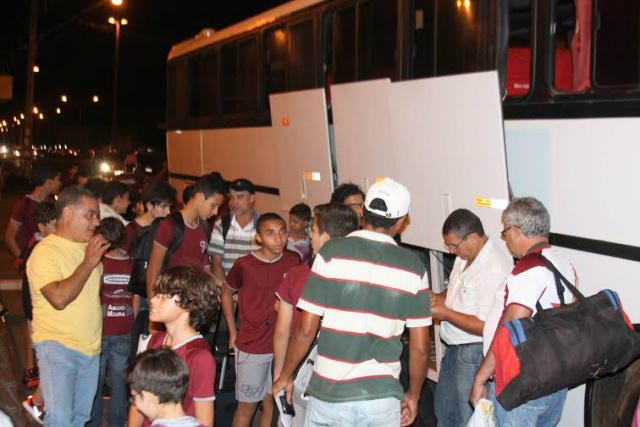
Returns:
(351, 195)
(478, 273)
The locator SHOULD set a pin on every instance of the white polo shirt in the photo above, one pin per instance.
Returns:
(472, 291)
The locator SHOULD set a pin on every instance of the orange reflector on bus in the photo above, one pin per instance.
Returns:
(285, 121)
(312, 176)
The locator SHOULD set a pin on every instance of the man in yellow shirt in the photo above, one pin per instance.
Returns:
(64, 273)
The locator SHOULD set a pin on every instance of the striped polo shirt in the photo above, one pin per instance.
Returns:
(240, 241)
(367, 289)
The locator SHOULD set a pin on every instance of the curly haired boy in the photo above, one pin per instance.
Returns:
(185, 300)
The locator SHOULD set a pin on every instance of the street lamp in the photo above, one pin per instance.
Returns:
(116, 2)
(95, 98)
(114, 107)
(64, 98)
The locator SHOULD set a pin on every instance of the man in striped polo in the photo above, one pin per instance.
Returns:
(240, 234)
(365, 289)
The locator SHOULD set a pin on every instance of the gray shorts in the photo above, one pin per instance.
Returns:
(253, 376)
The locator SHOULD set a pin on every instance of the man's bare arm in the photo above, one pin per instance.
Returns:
(218, 272)
(418, 366)
(153, 269)
(10, 238)
(63, 292)
(227, 309)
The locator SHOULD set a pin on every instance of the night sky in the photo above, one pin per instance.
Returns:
(76, 55)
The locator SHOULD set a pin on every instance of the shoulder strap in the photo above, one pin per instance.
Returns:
(560, 280)
(225, 222)
(178, 235)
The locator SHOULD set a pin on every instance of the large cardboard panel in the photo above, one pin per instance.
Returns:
(363, 141)
(449, 152)
(301, 131)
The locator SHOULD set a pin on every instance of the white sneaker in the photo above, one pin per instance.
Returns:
(36, 411)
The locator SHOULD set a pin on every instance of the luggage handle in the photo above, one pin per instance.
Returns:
(560, 280)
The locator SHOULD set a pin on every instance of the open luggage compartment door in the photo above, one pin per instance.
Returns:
(450, 152)
(299, 121)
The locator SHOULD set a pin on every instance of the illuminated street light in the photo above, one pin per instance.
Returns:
(41, 116)
(35, 110)
(21, 116)
(124, 21)
(112, 20)
(58, 111)
(4, 122)
(116, 2)
(36, 69)
(64, 98)
(95, 98)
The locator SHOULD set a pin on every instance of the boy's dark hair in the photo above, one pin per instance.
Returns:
(462, 222)
(45, 213)
(336, 219)
(160, 372)
(113, 231)
(302, 211)
(344, 191)
(196, 291)
(112, 190)
(157, 192)
(42, 171)
(209, 185)
(378, 221)
(72, 196)
(95, 185)
(187, 194)
(269, 216)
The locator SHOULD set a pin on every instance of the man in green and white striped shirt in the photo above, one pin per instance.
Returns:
(366, 290)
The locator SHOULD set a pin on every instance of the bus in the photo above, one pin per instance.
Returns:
(568, 77)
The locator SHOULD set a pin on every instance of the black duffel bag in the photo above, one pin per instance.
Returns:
(562, 347)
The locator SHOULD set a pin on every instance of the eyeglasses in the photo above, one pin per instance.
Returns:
(133, 397)
(503, 233)
(355, 205)
(453, 248)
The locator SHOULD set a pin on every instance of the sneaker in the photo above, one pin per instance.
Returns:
(36, 411)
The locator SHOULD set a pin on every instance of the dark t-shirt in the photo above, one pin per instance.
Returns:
(291, 289)
(202, 370)
(132, 228)
(257, 281)
(117, 301)
(23, 212)
(192, 250)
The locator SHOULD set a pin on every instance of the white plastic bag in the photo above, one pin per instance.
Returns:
(483, 415)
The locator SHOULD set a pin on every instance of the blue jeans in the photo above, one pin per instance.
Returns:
(115, 351)
(543, 412)
(457, 370)
(68, 381)
(363, 413)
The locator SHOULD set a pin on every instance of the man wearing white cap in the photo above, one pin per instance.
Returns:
(365, 289)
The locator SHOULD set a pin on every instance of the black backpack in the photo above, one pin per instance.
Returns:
(142, 246)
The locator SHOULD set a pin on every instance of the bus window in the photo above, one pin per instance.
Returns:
(617, 42)
(423, 39)
(301, 64)
(377, 27)
(275, 55)
(344, 46)
(194, 65)
(519, 53)
(248, 78)
(210, 84)
(565, 38)
(229, 80)
(177, 90)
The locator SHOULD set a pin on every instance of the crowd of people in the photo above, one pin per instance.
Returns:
(124, 285)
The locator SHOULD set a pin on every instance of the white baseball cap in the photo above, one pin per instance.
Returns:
(395, 196)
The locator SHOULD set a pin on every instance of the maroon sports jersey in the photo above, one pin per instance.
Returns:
(291, 288)
(132, 228)
(202, 370)
(23, 212)
(257, 281)
(192, 250)
(117, 301)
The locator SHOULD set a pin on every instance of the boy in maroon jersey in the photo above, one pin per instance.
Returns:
(118, 306)
(331, 220)
(256, 278)
(185, 300)
(208, 194)
(22, 226)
